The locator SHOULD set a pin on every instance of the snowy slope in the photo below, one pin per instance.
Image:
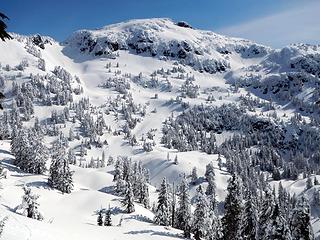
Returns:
(132, 52)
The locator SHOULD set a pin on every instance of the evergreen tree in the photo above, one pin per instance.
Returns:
(147, 175)
(176, 162)
(107, 218)
(128, 199)
(144, 195)
(19, 146)
(194, 175)
(120, 186)
(71, 157)
(219, 162)
(37, 155)
(71, 135)
(309, 183)
(29, 150)
(110, 160)
(283, 200)
(100, 218)
(200, 223)
(118, 170)
(316, 182)
(173, 205)
(212, 204)
(183, 213)
(265, 213)
(29, 205)
(2, 224)
(3, 33)
(103, 159)
(83, 150)
(209, 170)
(162, 214)
(300, 224)
(60, 175)
(137, 180)
(210, 176)
(278, 228)
(316, 197)
(216, 230)
(248, 228)
(233, 207)
(276, 175)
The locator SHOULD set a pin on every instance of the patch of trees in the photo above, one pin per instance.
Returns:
(258, 142)
(267, 216)
(131, 182)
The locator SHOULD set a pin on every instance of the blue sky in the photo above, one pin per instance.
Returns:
(272, 22)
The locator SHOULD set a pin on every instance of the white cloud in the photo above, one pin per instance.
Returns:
(301, 24)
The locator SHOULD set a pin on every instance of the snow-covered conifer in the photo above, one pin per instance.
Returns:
(110, 161)
(210, 176)
(162, 214)
(103, 160)
(2, 224)
(29, 150)
(278, 227)
(71, 157)
(315, 182)
(128, 198)
(71, 134)
(176, 162)
(233, 207)
(183, 213)
(60, 175)
(200, 222)
(300, 223)
(144, 195)
(100, 218)
(265, 213)
(249, 223)
(194, 175)
(309, 183)
(107, 218)
(29, 205)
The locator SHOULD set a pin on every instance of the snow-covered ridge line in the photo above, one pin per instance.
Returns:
(35, 38)
(162, 38)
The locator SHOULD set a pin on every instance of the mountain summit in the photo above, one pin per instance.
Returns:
(166, 40)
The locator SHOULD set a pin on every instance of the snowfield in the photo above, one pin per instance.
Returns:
(75, 213)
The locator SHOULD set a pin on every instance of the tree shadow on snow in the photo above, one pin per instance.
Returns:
(140, 218)
(117, 210)
(7, 164)
(112, 172)
(2, 151)
(114, 211)
(39, 184)
(138, 151)
(21, 175)
(156, 233)
(9, 208)
(108, 189)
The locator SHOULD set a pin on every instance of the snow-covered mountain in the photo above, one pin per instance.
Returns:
(181, 103)
(166, 40)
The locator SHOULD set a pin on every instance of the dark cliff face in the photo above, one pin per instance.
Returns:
(39, 41)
